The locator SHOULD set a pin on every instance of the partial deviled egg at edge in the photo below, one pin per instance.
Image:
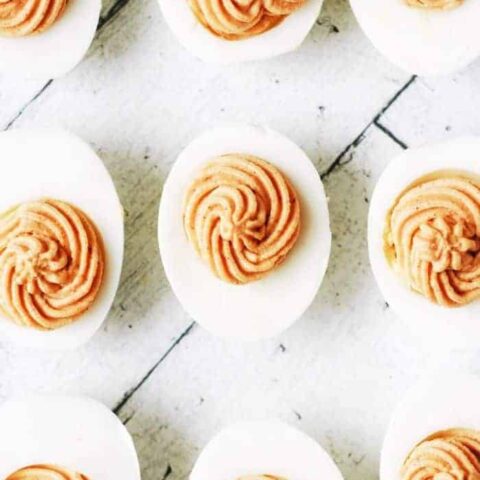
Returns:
(54, 51)
(61, 239)
(77, 435)
(256, 30)
(268, 450)
(428, 266)
(434, 433)
(424, 37)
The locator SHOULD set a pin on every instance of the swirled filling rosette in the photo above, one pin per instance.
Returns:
(432, 238)
(451, 455)
(20, 18)
(51, 264)
(434, 4)
(45, 472)
(242, 216)
(239, 19)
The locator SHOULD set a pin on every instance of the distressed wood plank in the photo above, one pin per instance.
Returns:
(437, 109)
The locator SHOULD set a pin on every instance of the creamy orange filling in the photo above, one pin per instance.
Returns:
(45, 472)
(434, 4)
(20, 18)
(432, 238)
(51, 264)
(242, 216)
(448, 455)
(240, 19)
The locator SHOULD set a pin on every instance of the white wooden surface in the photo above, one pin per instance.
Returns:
(139, 98)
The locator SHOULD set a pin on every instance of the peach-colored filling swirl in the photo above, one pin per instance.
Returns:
(239, 19)
(19, 18)
(51, 263)
(433, 239)
(448, 455)
(45, 472)
(435, 4)
(242, 216)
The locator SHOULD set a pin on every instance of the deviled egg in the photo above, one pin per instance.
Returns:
(424, 240)
(72, 438)
(243, 217)
(225, 31)
(32, 31)
(434, 433)
(61, 239)
(424, 37)
(264, 450)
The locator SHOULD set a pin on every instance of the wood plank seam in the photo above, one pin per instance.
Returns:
(339, 161)
(130, 393)
(111, 14)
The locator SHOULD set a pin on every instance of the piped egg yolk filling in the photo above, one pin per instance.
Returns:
(240, 19)
(432, 238)
(242, 216)
(19, 18)
(51, 264)
(434, 4)
(447, 455)
(45, 472)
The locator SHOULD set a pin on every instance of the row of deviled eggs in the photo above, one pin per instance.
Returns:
(427, 37)
(434, 434)
(243, 217)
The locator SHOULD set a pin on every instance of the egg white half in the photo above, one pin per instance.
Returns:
(423, 42)
(266, 307)
(443, 401)
(77, 433)
(56, 164)
(208, 47)
(56, 51)
(436, 325)
(264, 448)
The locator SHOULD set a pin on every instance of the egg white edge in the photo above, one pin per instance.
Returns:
(84, 175)
(246, 312)
(39, 56)
(264, 447)
(78, 433)
(423, 42)
(439, 401)
(435, 325)
(203, 44)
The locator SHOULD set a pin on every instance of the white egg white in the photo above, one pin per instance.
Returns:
(436, 325)
(56, 51)
(440, 402)
(56, 164)
(208, 47)
(420, 41)
(77, 433)
(264, 448)
(263, 308)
